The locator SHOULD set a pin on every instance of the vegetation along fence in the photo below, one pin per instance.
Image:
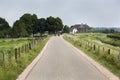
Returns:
(13, 54)
(103, 52)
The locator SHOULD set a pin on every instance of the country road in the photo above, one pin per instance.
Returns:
(62, 62)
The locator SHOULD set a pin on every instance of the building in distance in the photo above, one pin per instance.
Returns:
(79, 28)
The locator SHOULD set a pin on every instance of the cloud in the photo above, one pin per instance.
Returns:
(95, 12)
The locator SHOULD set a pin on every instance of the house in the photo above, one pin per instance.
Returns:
(79, 28)
(74, 31)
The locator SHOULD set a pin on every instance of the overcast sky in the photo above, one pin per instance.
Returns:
(96, 13)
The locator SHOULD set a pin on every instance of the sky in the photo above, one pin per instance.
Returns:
(95, 13)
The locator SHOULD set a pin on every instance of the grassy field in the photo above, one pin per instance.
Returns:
(11, 70)
(99, 39)
(7, 44)
(90, 43)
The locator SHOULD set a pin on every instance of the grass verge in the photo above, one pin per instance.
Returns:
(96, 56)
(12, 70)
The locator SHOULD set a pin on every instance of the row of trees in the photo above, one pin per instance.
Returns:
(103, 30)
(29, 24)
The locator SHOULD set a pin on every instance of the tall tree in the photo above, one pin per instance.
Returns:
(41, 25)
(59, 24)
(4, 28)
(19, 30)
(27, 20)
(34, 24)
(66, 29)
(54, 24)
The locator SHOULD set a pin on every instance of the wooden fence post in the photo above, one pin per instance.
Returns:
(16, 54)
(103, 49)
(34, 42)
(109, 51)
(9, 56)
(94, 47)
(30, 46)
(88, 45)
(19, 52)
(80, 43)
(3, 56)
(91, 46)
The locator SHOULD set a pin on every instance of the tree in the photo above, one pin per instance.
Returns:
(54, 24)
(27, 20)
(66, 29)
(4, 28)
(29, 24)
(34, 24)
(41, 25)
(59, 24)
(19, 30)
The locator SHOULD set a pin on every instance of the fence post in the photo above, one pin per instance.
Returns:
(30, 46)
(103, 49)
(109, 51)
(80, 43)
(3, 57)
(94, 47)
(16, 54)
(19, 51)
(88, 45)
(91, 46)
(9, 56)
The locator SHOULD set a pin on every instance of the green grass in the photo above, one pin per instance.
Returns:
(6, 44)
(109, 61)
(10, 71)
(101, 39)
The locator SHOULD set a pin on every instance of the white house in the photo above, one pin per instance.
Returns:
(79, 28)
(74, 31)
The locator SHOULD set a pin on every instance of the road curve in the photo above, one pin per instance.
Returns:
(60, 61)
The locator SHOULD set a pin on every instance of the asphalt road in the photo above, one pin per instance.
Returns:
(62, 62)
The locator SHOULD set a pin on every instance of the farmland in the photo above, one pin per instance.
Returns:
(94, 45)
(16, 54)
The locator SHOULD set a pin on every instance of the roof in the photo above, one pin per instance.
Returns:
(78, 26)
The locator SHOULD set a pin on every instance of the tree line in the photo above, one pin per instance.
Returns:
(29, 24)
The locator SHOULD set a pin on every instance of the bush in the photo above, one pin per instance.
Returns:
(115, 36)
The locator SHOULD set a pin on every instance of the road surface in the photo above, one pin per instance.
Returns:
(60, 61)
